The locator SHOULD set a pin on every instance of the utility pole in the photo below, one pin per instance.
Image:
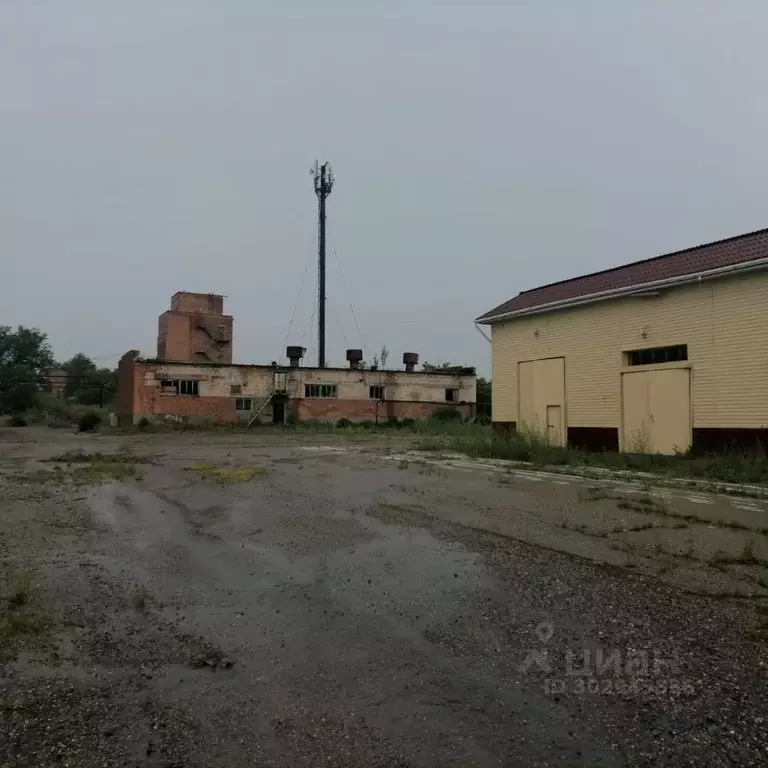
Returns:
(323, 186)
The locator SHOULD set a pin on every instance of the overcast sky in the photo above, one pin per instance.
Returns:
(480, 148)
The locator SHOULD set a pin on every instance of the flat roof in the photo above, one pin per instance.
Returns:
(465, 371)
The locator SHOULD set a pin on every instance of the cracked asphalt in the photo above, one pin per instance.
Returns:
(356, 605)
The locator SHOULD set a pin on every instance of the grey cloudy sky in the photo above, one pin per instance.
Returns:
(480, 148)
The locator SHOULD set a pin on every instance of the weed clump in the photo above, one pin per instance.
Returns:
(17, 618)
(89, 421)
(81, 457)
(447, 414)
(224, 475)
(140, 599)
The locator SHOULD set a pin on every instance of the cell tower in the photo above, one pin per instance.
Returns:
(323, 186)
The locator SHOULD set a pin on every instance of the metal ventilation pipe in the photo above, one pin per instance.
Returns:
(354, 358)
(410, 360)
(294, 355)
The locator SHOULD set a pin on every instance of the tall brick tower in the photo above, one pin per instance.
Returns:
(195, 329)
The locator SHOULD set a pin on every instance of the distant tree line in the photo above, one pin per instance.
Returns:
(28, 368)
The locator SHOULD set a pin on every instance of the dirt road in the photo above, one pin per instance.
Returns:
(255, 600)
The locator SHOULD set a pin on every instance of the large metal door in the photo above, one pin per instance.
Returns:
(656, 411)
(670, 392)
(541, 399)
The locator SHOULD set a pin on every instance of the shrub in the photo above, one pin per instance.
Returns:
(89, 421)
(17, 421)
(143, 422)
(367, 424)
(343, 422)
(447, 414)
(407, 423)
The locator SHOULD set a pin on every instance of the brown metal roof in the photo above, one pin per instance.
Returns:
(723, 253)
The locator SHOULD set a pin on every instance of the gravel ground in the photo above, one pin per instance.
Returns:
(344, 609)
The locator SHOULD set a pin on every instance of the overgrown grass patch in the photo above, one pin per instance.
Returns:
(87, 474)
(18, 617)
(480, 441)
(53, 411)
(643, 504)
(747, 556)
(224, 474)
(80, 468)
(81, 457)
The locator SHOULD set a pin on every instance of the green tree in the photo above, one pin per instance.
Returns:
(87, 384)
(79, 370)
(484, 394)
(25, 355)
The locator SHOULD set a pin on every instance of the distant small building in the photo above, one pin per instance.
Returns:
(55, 381)
(169, 387)
(658, 355)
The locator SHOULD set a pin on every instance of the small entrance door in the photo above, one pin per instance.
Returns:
(278, 411)
(554, 425)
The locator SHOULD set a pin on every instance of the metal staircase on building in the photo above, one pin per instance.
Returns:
(217, 337)
(255, 414)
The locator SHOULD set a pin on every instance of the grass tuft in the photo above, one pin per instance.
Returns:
(81, 457)
(224, 475)
(17, 618)
(140, 599)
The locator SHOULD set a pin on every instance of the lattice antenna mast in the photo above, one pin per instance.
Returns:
(323, 186)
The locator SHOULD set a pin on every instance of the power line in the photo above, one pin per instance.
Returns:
(349, 300)
(311, 322)
(296, 303)
(338, 327)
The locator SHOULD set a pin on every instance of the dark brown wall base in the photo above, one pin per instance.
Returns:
(594, 438)
(705, 440)
(712, 440)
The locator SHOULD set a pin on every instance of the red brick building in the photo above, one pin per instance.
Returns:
(193, 379)
(195, 328)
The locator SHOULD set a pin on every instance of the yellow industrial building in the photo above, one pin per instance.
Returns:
(660, 355)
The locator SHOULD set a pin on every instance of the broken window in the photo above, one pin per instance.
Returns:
(320, 390)
(451, 395)
(376, 393)
(236, 389)
(656, 355)
(189, 387)
(243, 404)
(180, 386)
